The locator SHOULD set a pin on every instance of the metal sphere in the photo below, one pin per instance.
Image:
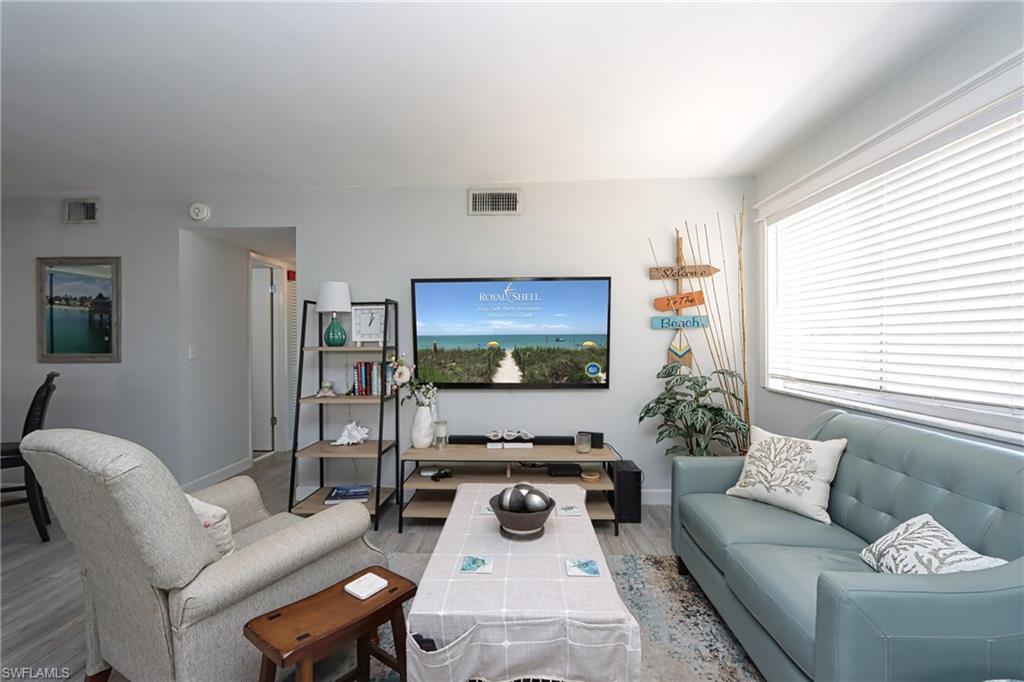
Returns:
(523, 487)
(512, 500)
(536, 501)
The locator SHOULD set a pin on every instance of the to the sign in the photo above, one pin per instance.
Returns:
(679, 322)
(687, 299)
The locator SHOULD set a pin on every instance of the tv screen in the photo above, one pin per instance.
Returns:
(542, 332)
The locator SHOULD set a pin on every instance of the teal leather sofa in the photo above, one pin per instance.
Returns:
(802, 603)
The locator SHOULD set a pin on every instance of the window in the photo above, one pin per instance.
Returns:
(905, 293)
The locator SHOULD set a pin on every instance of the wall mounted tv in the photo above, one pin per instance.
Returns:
(512, 332)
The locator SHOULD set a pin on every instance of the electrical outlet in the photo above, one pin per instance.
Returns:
(191, 351)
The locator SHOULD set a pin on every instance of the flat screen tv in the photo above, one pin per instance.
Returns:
(512, 332)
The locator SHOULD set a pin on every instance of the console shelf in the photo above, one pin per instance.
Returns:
(480, 464)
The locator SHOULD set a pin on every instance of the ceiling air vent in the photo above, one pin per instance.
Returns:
(493, 202)
(81, 211)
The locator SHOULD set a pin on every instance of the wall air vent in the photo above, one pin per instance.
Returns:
(493, 202)
(81, 211)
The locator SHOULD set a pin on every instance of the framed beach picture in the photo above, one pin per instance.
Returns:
(79, 309)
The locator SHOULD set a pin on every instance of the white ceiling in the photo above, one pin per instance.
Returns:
(158, 96)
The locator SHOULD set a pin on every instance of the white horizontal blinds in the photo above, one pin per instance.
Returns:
(909, 284)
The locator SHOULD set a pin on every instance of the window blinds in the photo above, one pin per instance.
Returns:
(909, 288)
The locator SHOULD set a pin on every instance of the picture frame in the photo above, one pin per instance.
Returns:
(78, 309)
(368, 324)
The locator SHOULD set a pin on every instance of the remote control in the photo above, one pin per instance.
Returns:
(366, 586)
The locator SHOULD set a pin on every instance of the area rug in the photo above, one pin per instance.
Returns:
(683, 638)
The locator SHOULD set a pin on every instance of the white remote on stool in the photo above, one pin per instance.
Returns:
(366, 586)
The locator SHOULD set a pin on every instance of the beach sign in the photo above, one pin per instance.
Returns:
(680, 322)
(687, 299)
(682, 271)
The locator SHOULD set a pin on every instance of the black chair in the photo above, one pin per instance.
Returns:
(10, 456)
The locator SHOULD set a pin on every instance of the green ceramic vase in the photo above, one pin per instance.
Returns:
(334, 335)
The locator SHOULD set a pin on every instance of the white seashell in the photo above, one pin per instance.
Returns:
(494, 435)
(525, 435)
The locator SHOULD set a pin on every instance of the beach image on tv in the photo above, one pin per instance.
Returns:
(539, 332)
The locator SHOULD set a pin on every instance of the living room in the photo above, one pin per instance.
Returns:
(540, 227)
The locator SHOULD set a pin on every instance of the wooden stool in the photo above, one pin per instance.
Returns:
(309, 630)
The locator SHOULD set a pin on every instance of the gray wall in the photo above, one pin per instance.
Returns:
(213, 315)
(994, 36)
(376, 239)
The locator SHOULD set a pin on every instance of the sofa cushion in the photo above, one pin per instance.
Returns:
(716, 521)
(779, 586)
(266, 527)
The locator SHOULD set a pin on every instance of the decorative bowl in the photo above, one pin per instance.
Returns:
(521, 525)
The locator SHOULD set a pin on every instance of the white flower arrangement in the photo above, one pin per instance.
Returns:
(423, 393)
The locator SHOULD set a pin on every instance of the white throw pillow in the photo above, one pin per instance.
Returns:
(923, 546)
(790, 473)
(216, 522)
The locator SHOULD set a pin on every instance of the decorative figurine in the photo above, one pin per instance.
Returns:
(326, 390)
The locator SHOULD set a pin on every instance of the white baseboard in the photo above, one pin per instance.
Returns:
(219, 475)
(656, 496)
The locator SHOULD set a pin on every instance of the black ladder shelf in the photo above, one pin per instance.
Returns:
(374, 448)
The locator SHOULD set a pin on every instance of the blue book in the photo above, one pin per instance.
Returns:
(348, 493)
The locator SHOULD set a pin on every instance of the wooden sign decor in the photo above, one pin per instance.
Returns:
(680, 322)
(682, 271)
(686, 299)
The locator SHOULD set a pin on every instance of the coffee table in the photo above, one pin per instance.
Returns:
(528, 618)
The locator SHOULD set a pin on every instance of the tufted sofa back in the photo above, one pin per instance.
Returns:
(892, 471)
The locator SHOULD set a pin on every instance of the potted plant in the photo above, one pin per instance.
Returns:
(690, 414)
(424, 394)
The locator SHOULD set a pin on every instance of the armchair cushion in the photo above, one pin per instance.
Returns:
(265, 527)
(266, 561)
(717, 522)
(240, 497)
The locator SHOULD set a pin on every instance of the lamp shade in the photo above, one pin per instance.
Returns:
(333, 297)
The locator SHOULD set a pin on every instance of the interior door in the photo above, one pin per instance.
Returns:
(261, 347)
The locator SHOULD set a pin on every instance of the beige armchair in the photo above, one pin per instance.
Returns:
(161, 604)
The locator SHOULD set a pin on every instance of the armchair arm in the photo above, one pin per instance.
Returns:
(875, 626)
(267, 561)
(240, 496)
(704, 474)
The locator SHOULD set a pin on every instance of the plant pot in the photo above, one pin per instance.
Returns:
(422, 435)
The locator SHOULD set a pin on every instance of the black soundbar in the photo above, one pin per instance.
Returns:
(536, 440)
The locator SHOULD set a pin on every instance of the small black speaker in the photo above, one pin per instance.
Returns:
(627, 478)
(596, 438)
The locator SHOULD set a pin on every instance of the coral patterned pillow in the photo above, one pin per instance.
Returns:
(923, 546)
(216, 522)
(790, 473)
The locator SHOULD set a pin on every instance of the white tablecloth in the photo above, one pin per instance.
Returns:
(528, 618)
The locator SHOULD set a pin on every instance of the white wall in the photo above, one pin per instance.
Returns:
(376, 239)
(994, 36)
(213, 316)
(136, 398)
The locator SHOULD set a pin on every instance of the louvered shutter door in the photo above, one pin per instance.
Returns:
(909, 288)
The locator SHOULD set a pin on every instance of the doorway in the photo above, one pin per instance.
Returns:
(268, 355)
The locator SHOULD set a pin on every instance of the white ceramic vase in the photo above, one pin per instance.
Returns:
(422, 435)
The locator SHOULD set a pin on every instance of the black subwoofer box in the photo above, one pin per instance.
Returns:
(627, 478)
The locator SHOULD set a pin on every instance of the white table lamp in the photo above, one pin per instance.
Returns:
(334, 298)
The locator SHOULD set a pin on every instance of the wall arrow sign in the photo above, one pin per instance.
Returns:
(682, 271)
(687, 299)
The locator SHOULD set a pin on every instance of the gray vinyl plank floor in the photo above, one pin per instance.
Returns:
(41, 608)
